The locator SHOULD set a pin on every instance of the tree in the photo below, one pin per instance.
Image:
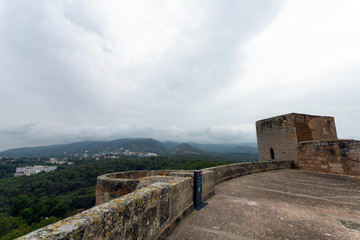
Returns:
(19, 203)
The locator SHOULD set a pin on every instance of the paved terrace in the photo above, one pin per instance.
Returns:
(281, 204)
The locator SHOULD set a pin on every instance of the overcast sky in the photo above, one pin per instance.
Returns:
(183, 70)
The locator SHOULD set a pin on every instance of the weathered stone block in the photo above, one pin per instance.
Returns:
(339, 156)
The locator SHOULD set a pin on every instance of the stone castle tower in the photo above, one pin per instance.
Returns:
(278, 137)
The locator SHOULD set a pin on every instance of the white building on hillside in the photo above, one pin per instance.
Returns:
(33, 170)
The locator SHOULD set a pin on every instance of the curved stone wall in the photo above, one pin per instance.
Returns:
(113, 185)
(152, 210)
(230, 171)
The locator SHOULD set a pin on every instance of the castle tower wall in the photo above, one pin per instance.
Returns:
(314, 128)
(278, 137)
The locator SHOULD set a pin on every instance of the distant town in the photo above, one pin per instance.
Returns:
(31, 170)
(108, 154)
(33, 160)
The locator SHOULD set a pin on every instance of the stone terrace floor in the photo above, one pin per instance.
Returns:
(281, 204)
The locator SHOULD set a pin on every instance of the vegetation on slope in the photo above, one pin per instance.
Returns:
(144, 145)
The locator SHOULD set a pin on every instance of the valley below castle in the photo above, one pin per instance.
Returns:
(31, 202)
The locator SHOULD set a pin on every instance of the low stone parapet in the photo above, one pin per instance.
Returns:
(230, 171)
(144, 204)
(114, 185)
(148, 213)
(338, 156)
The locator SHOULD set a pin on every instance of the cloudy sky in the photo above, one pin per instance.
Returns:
(184, 70)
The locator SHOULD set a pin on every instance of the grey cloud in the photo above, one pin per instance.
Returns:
(19, 129)
(59, 71)
(82, 13)
(200, 69)
(53, 135)
(42, 63)
(64, 69)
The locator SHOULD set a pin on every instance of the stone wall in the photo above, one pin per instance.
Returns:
(310, 127)
(150, 211)
(230, 171)
(339, 156)
(279, 136)
(113, 185)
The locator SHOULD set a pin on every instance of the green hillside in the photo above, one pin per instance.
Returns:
(30, 202)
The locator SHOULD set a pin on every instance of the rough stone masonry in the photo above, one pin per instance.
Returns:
(309, 141)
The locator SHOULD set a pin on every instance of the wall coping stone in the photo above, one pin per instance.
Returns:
(150, 212)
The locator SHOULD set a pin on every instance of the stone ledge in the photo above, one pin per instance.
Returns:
(227, 172)
(156, 205)
(143, 214)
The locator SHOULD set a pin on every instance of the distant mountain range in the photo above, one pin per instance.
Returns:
(135, 146)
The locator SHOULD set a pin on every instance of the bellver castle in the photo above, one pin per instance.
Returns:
(309, 141)
(151, 204)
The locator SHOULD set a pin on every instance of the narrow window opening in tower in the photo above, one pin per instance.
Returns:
(272, 154)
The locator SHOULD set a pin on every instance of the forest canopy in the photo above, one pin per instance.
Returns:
(31, 202)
